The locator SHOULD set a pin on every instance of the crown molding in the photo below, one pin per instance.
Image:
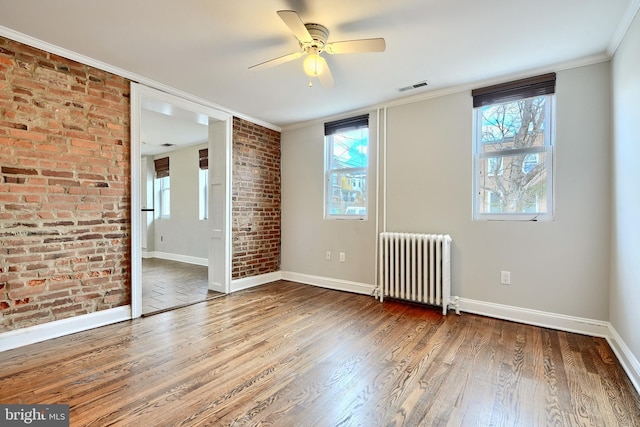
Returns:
(74, 56)
(626, 21)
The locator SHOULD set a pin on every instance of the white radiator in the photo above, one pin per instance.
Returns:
(416, 267)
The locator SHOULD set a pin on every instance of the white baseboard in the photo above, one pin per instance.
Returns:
(250, 282)
(544, 319)
(176, 257)
(329, 283)
(33, 334)
(626, 358)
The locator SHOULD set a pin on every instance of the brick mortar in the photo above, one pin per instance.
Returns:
(64, 188)
(255, 200)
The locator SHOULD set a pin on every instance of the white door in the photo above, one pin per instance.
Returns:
(219, 193)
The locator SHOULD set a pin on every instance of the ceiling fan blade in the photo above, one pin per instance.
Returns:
(295, 24)
(326, 79)
(356, 46)
(276, 61)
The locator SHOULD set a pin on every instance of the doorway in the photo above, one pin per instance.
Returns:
(180, 217)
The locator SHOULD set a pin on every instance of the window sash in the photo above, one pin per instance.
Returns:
(165, 197)
(547, 148)
(203, 194)
(353, 199)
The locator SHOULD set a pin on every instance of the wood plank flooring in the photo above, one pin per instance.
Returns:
(169, 284)
(287, 354)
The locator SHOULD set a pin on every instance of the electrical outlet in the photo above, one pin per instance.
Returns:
(327, 256)
(343, 257)
(505, 277)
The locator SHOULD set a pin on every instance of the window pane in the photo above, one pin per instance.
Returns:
(513, 159)
(521, 187)
(347, 161)
(513, 125)
(350, 149)
(203, 194)
(348, 193)
(165, 197)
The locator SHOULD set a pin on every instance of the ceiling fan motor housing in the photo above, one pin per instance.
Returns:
(319, 34)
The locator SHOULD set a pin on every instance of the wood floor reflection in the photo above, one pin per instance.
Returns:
(170, 284)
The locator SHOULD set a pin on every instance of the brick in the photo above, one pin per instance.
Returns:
(256, 158)
(40, 192)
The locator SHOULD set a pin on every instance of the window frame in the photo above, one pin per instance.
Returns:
(331, 129)
(203, 184)
(549, 160)
(164, 192)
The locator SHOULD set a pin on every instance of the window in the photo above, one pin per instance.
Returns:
(163, 185)
(513, 150)
(165, 196)
(203, 184)
(346, 168)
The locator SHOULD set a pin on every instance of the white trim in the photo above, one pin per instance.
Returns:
(626, 358)
(139, 95)
(596, 328)
(329, 283)
(250, 282)
(57, 328)
(176, 257)
(51, 48)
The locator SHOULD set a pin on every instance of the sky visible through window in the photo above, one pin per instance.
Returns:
(350, 148)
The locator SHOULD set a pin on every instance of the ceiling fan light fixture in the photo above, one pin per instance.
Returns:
(313, 64)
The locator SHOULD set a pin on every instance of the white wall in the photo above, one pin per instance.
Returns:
(558, 267)
(182, 233)
(625, 249)
(306, 236)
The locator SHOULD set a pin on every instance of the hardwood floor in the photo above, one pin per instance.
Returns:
(287, 354)
(169, 284)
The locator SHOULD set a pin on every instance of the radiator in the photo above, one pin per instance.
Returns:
(416, 267)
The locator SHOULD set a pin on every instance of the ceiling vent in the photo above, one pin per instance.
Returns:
(167, 145)
(413, 86)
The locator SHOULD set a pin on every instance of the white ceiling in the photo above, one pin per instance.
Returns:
(163, 132)
(204, 47)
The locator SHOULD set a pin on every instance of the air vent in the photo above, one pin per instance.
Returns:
(167, 145)
(413, 86)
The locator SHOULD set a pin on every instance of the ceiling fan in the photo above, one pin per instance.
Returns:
(313, 42)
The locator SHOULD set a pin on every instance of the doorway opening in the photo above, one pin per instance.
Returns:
(180, 201)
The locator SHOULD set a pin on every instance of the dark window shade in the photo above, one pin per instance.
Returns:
(162, 167)
(351, 123)
(514, 91)
(204, 158)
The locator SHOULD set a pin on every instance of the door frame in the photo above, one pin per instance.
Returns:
(141, 94)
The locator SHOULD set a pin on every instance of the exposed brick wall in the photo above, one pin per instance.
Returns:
(64, 188)
(256, 200)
